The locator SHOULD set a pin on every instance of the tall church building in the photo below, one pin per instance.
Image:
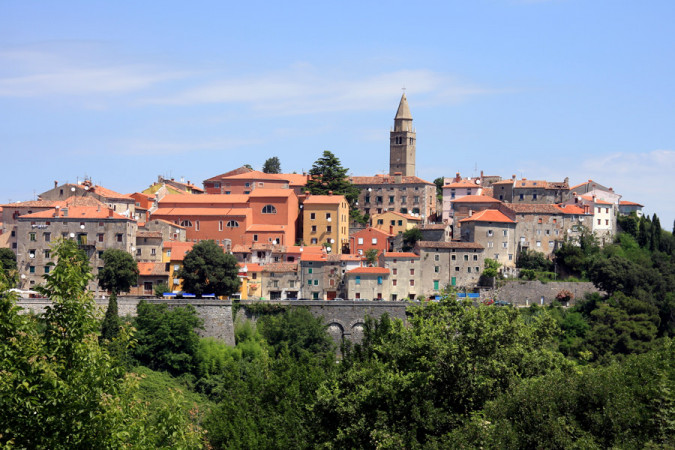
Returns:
(402, 142)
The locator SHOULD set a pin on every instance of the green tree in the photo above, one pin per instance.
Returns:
(644, 231)
(439, 187)
(207, 269)
(371, 256)
(118, 274)
(328, 175)
(298, 330)
(655, 238)
(160, 289)
(410, 238)
(406, 386)
(8, 265)
(272, 165)
(533, 260)
(491, 268)
(166, 337)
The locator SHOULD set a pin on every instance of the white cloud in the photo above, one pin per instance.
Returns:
(304, 90)
(38, 73)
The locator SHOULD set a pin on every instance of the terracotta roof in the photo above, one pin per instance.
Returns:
(369, 270)
(75, 212)
(451, 244)
(254, 175)
(324, 199)
(487, 191)
(313, 257)
(400, 255)
(475, 199)
(149, 234)
(530, 184)
(152, 268)
(276, 248)
(387, 179)
(488, 215)
(237, 171)
(240, 248)
(572, 209)
(178, 249)
(505, 182)
(405, 216)
(295, 179)
(280, 267)
(204, 211)
(83, 201)
(371, 229)
(166, 221)
(31, 204)
(251, 267)
(305, 249)
(100, 190)
(525, 208)
(213, 199)
(346, 257)
(627, 203)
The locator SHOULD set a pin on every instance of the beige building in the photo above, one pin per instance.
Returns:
(405, 273)
(326, 221)
(280, 281)
(120, 203)
(368, 283)
(403, 194)
(395, 223)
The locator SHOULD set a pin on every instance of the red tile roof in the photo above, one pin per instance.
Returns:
(212, 199)
(178, 249)
(313, 257)
(149, 234)
(152, 268)
(572, 210)
(488, 215)
(533, 208)
(251, 267)
(271, 193)
(463, 184)
(213, 211)
(237, 171)
(369, 270)
(280, 267)
(31, 204)
(76, 212)
(627, 203)
(596, 200)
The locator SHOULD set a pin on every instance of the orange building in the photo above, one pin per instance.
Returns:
(369, 238)
(267, 215)
(244, 182)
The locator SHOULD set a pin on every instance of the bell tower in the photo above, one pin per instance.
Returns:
(402, 139)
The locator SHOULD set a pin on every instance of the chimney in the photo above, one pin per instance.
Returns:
(391, 229)
(65, 212)
(56, 211)
(56, 184)
(110, 213)
(398, 177)
(513, 177)
(457, 177)
(330, 192)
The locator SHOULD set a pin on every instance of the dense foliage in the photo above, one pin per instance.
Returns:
(207, 269)
(272, 165)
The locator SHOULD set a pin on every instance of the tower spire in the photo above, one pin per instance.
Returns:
(402, 141)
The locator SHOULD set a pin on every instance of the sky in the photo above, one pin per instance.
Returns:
(121, 92)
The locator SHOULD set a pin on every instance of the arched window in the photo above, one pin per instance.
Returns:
(269, 209)
(186, 223)
(232, 224)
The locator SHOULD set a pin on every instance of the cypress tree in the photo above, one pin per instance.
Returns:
(643, 233)
(655, 239)
(110, 327)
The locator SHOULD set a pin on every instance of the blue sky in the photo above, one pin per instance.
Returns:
(124, 91)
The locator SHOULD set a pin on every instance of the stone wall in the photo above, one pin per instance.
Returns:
(525, 293)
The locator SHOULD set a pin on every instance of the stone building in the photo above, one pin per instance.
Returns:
(394, 222)
(120, 203)
(496, 233)
(402, 142)
(404, 269)
(94, 228)
(442, 264)
(531, 191)
(280, 281)
(455, 188)
(403, 194)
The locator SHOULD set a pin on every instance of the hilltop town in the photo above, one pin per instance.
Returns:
(395, 236)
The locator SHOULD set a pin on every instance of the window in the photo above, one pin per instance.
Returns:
(412, 272)
(138, 252)
(534, 196)
(475, 257)
(468, 269)
(220, 225)
(489, 232)
(456, 268)
(47, 269)
(233, 224)
(316, 282)
(437, 269)
(606, 221)
(360, 241)
(374, 241)
(607, 210)
(466, 257)
(328, 215)
(548, 232)
(378, 199)
(312, 216)
(394, 282)
(47, 254)
(520, 197)
(247, 184)
(118, 237)
(394, 271)
(598, 221)
(400, 223)
(48, 237)
(197, 225)
(309, 282)
(186, 223)
(538, 243)
(453, 257)
(510, 257)
(31, 253)
(100, 237)
(31, 269)
(31, 237)
(309, 270)
(437, 257)
(404, 199)
(329, 229)
(435, 285)
(314, 241)
(505, 244)
(489, 244)
(357, 280)
(391, 199)
(367, 199)
(380, 221)
(313, 228)
(269, 209)
(379, 279)
(412, 282)
(505, 233)
(357, 295)
(255, 238)
(153, 251)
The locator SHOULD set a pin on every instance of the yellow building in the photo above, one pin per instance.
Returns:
(173, 253)
(326, 221)
(395, 223)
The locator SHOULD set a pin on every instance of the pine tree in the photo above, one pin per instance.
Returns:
(643, 233)
(272, 165)
(110, 327)
(327, 175)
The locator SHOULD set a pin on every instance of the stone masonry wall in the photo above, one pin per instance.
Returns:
(525, 293)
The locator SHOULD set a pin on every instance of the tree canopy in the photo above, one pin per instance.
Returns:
(119, 272)
(272, 165)
(207, 269)
(327, 175)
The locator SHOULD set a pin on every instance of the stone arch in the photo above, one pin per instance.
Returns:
(357, 331)
(335, 330)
